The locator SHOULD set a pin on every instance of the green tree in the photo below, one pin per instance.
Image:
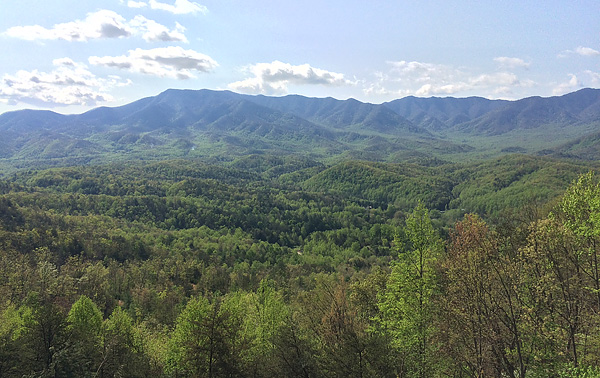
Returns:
(265, 318)
(85, 320)
(207, 341)
(484, 322)
(44, 325)
(12, 328)
(82, 354)
(579, 212)
(336, 334)
(555, 302)
(122, 353)
(408, 305)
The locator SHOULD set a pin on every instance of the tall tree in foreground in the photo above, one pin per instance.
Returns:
(579, 212)
(122, 355)
(265, 316)
(12, 352)
(407, 306)
(484, 323)
(83, 345)
(561, 259)
(338, 335)
(45, 323)
(553, 282)
(207, 341)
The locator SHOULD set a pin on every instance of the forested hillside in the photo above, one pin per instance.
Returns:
(270, 266)
(225, 126)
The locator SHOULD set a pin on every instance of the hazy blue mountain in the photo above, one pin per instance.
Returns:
(22, 121)
(342, 114)
(437, 113)
(223, 124)
(571, 109)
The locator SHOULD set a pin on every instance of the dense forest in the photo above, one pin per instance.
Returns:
(270, 266)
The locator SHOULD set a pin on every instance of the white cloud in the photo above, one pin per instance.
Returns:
(580, 50)
(136, 4)
(275, 77)
(586, 51)
(429, 79)
(419, 71)
(173, 62)
(594, 77)
(100, 24)
(153, 31)
(69, 83)
(494, 79)
(507, 62)
(569, 86)
(180, 7)
(500, 80)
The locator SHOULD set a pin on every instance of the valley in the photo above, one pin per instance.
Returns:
(301, 237)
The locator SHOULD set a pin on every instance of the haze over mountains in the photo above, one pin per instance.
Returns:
(223, 124)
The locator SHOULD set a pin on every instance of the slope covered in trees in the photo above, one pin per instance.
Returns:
(225, 126)
(271, 266)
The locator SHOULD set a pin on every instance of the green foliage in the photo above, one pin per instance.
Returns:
(284, 267)
(407, 305)
(82, 352)
(185, 354)
(579, 208)
(12, 331)
(266, 314)
(208, 339)
(122, 354)
(44, 330)
(85, 319)
(580, 372)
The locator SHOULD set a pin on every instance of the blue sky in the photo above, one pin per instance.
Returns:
(73, 55)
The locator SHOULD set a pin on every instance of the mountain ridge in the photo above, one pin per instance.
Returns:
(208, 123)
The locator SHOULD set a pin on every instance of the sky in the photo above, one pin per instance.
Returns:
(70, 56)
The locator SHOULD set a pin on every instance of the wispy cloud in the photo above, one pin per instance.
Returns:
(594, 77)
(586, 51)
(100, 24)
(275, 78)
(136, 4)
(180, 7)
(153, 31)
(69, 83)
(580, 50)
(171, 62)
(509, 63)
(568, 86)
(429, 79)
(97, 25)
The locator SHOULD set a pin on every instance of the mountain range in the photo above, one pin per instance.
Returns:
(223, 124)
